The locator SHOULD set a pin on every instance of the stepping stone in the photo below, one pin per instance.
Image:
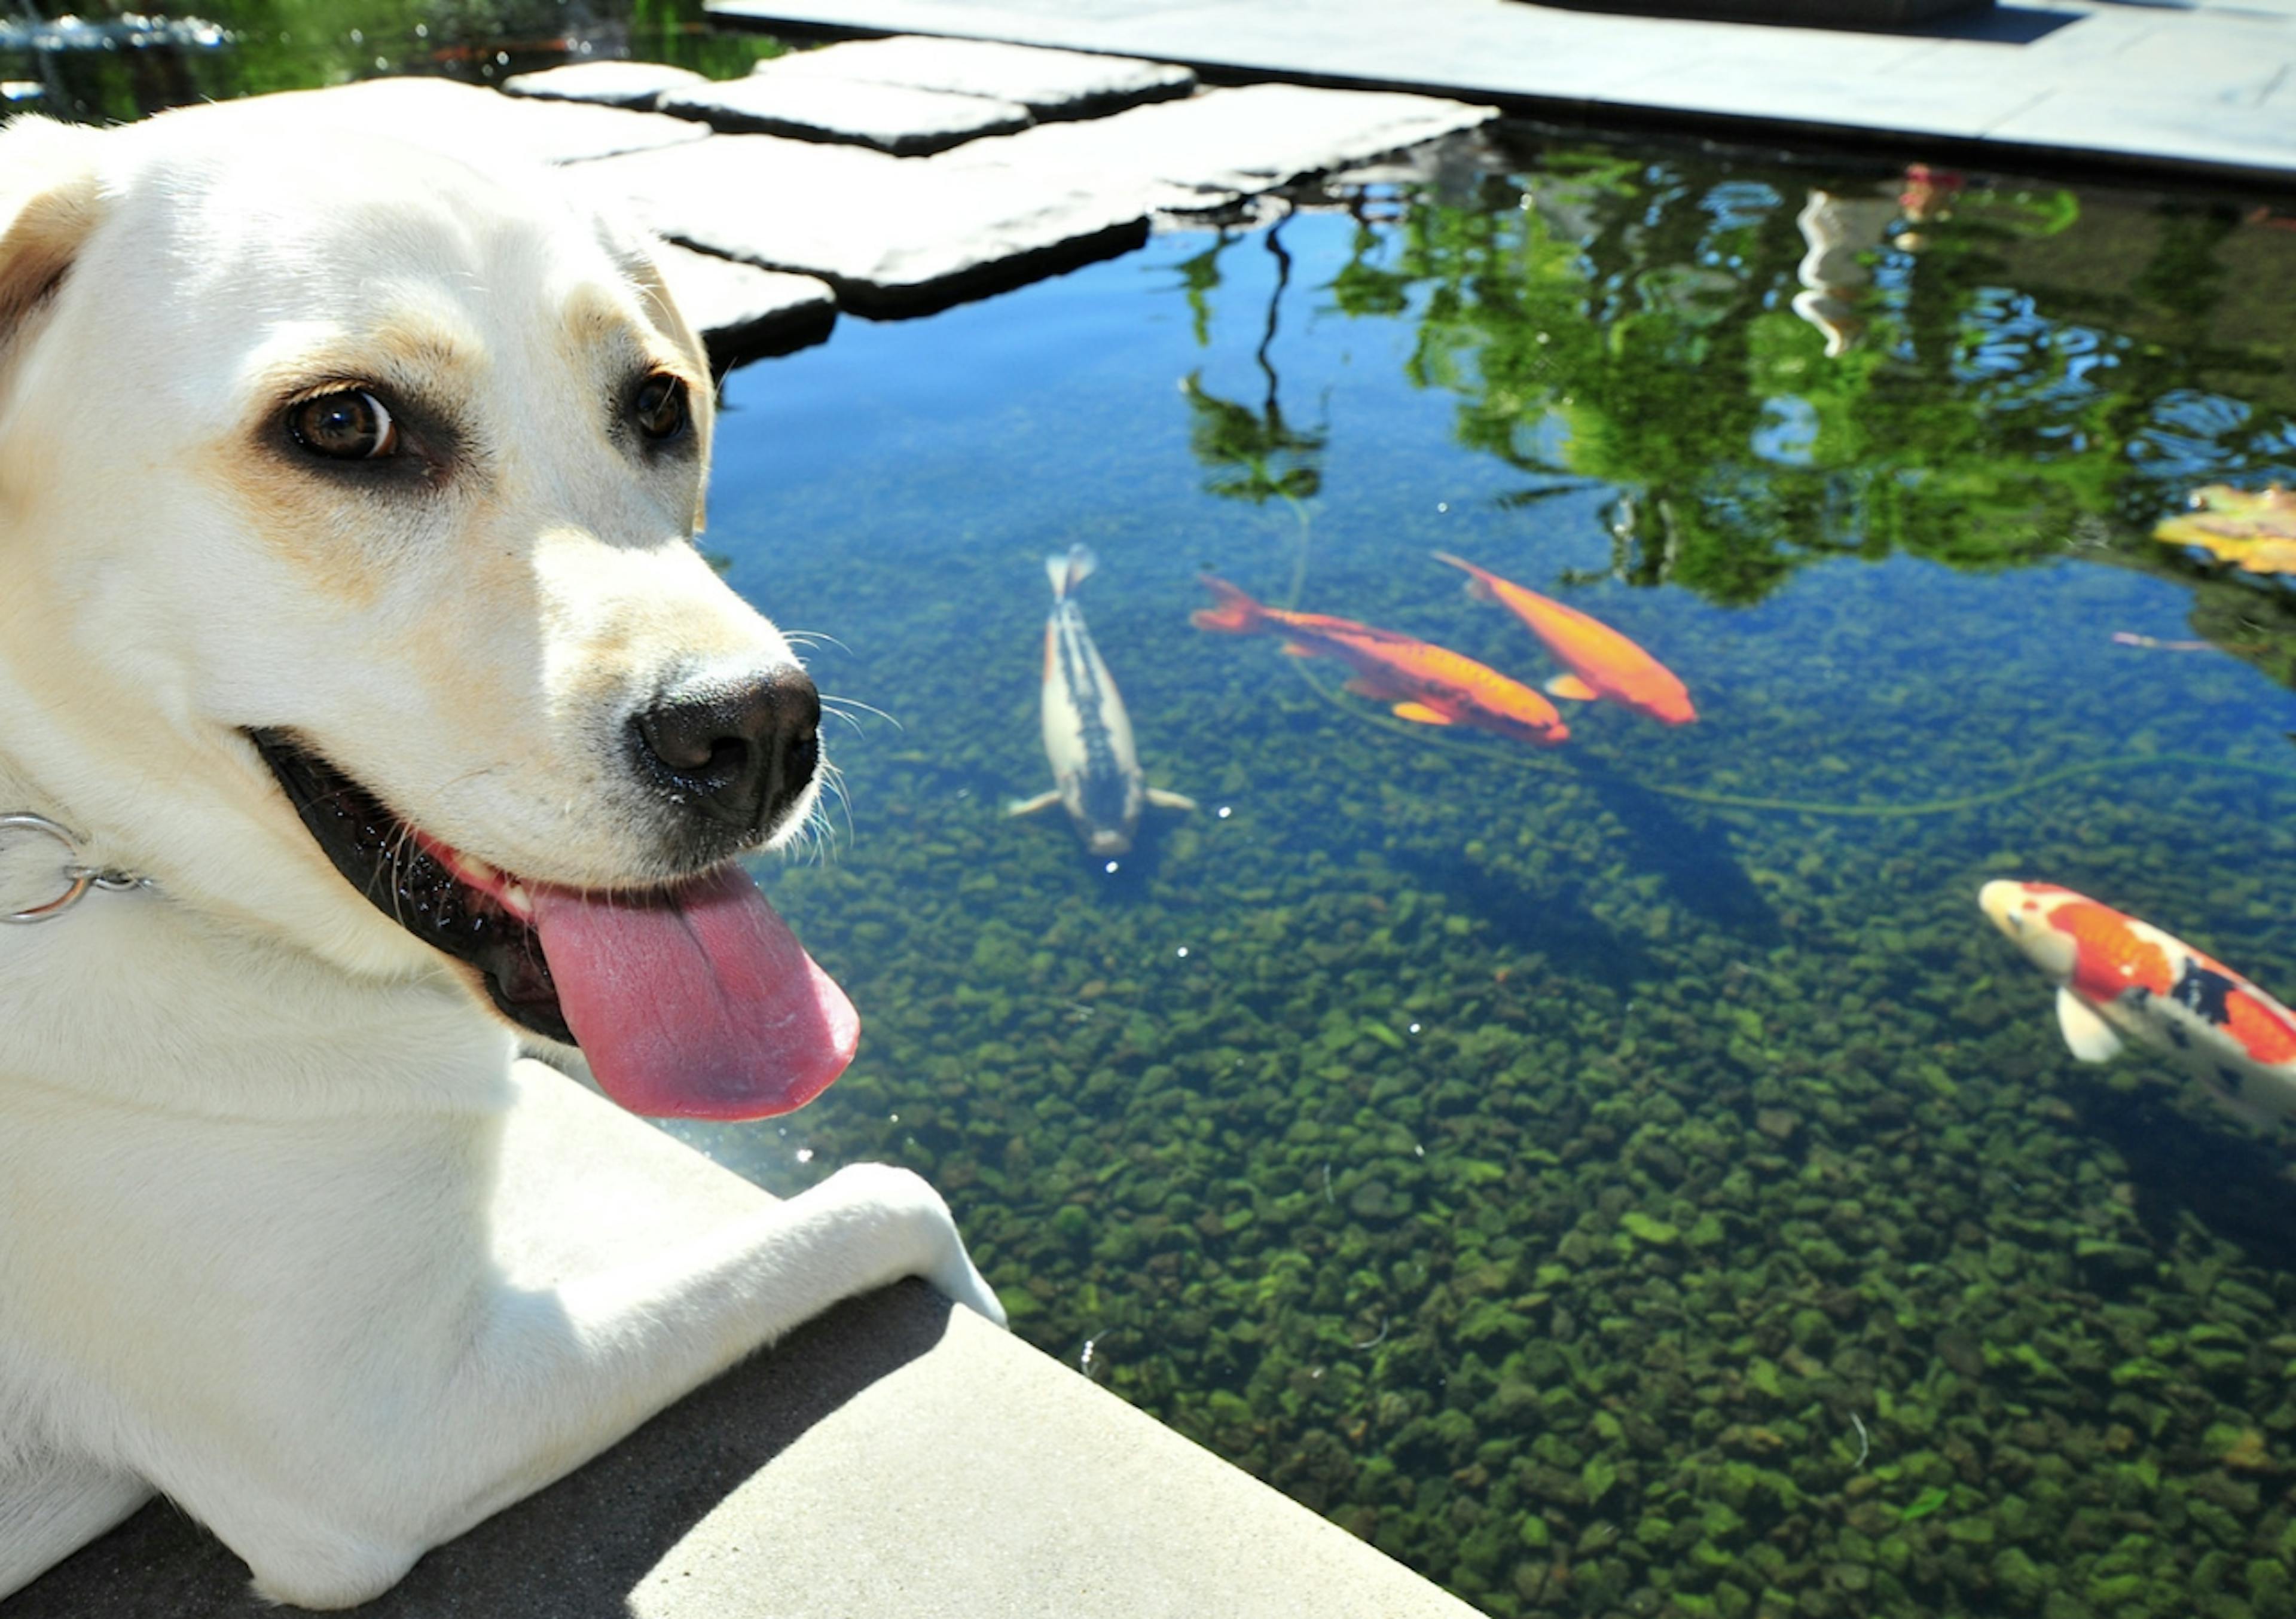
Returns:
(1800, 13)
(742, 312)
(893, 235)
(1050, 84)
(890, 117)
(461, 119)
(610, 83)
(1221, 145)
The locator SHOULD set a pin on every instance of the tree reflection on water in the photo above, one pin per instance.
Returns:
(295, 44)
(1769, 371)
(1252, 452)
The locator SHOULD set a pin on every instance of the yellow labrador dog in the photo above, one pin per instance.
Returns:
(347, 599)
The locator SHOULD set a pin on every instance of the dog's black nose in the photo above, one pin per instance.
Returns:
(739, 749)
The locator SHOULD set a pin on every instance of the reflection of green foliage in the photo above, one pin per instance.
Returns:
(1256, 455)
(1200, 276)
(1620, 325)
(1363, 288)
(292, 45)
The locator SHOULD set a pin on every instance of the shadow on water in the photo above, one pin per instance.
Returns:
(2228, 1179)
(1694, 861)
(1135, 879)
(1554, 921)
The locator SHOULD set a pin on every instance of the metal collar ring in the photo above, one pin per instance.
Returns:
(78, 879)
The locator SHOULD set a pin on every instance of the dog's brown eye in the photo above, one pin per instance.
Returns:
(353, 425)
(660, 406)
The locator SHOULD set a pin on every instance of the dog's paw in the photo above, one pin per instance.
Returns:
(940, 1255)
(962, 1283)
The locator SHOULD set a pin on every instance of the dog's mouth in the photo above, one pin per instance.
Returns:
(691, 999)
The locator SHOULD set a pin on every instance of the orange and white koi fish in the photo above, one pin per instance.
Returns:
(1426, 684)
(2117, 977)
(1603, 663)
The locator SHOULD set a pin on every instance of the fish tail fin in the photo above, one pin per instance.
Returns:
(1477, 586)
(1069, 570)
(1237, 614)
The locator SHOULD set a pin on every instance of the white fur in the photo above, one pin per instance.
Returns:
(249, 1128)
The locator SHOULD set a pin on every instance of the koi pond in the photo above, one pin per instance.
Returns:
(1631, 1176)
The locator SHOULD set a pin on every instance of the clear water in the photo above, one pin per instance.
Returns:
(1629, 1178)
(1545, 1162)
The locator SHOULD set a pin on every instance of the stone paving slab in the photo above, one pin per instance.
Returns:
(901, 235)
(893, 235)
(742, 312)
(1222, 145)
(890, 117)
(613, 84)
(1052, 85)
(2061, 76)
(897, 1458)
(457, 118)
(2229, 135)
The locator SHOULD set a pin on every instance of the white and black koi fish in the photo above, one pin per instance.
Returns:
(2118, 978)
(1087, 734)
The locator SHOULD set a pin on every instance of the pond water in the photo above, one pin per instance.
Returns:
(1632, 1172)
(1631, 1176)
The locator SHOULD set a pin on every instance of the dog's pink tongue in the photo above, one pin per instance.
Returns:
(697, 1005)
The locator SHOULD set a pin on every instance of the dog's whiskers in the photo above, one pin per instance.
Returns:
(844, 708)
(471, 775)
(815, 838)
(403, 848)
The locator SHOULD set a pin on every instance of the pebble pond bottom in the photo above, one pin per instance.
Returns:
(1630, 1176)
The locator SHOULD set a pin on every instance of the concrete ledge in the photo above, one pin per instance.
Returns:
(1865, 14)
(896, 1457)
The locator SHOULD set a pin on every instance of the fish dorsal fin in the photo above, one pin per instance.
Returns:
(1420, 714)
(1571, 687)
(2087, 1036)
(1070, 570)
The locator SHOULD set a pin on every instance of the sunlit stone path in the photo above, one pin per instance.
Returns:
(2198, 86)
(901, 176)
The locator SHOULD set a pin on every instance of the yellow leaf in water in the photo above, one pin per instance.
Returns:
(2252, 530)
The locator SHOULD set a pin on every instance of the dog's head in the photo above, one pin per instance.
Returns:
(347, 494)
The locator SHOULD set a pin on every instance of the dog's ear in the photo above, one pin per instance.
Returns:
(50, 200)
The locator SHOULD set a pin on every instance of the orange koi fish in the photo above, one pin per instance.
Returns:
(1603, 663)
(2116, 977)
(1428, 686)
